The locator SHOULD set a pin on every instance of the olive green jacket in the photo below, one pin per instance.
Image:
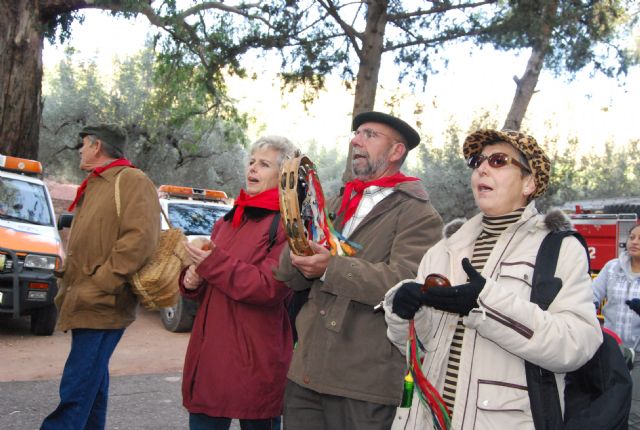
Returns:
(343, 348)
(104, 250)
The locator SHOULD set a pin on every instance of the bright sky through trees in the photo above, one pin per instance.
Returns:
(594, 110)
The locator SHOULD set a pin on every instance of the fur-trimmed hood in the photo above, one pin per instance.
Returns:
(556, 220)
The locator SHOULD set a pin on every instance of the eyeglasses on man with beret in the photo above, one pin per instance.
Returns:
(369, 134)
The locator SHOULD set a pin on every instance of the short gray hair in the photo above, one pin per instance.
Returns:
(108, 150)
(285, 148)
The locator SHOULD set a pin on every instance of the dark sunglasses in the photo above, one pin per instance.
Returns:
(496, 160)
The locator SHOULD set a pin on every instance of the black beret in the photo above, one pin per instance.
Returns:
(410, 135)
(111, 134)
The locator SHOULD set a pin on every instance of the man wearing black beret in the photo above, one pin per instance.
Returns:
(345, 374)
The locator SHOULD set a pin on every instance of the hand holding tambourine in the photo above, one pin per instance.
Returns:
(303, 212)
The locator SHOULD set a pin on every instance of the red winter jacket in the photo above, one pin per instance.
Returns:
(241, 343)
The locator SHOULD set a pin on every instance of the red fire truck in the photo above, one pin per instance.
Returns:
(605, 229)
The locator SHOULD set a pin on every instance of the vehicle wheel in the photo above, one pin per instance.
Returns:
(43, 320)
(622, 209)
(178, 318)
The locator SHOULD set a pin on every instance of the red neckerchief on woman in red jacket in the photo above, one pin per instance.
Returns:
(97, 171)
(266, 200)
(350, 204)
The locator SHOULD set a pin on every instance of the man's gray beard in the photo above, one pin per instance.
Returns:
(369, 170)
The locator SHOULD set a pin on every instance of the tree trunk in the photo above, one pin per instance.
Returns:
(21, 43)
(370, 57)
(526, 85)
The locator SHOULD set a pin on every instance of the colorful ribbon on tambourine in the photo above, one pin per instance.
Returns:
(429, 396)
(319, 227)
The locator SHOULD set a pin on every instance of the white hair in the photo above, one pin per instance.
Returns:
(281, 144)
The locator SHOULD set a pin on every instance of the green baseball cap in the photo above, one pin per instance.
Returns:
(111, 134)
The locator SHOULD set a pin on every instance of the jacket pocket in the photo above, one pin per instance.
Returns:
(90, 269)
(502, 405)
(517, 276)
(91, 297)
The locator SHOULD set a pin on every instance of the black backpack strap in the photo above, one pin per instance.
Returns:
(543, 391)
(545, 286)
(273, 231)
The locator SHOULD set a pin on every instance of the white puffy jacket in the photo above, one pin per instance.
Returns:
(505, 330)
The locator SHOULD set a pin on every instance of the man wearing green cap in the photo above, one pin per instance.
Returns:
(114, 231)
(345, 374)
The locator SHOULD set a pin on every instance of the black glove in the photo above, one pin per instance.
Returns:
(459, 299)
(407, 300)
(634, 305)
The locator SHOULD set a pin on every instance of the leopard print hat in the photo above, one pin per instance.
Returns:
(538, 160)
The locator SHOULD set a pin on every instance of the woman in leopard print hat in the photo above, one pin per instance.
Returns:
(479, 332)
(531, 156)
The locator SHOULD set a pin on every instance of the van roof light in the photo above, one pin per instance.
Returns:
(193, 193)
(21, 165)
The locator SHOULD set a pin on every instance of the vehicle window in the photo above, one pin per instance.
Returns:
(194, 219)
(24, 201)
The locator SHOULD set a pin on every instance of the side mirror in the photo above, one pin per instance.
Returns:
(64, 221)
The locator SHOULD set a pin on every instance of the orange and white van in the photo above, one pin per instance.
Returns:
(30, 246)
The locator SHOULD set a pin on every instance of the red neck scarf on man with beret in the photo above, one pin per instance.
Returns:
(268, 199)
(350, 204)
(96, 172)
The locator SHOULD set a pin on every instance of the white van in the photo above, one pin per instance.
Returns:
(194, 211)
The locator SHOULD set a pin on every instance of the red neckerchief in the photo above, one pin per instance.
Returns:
(97, 171)
(266, 200)
(350, 204)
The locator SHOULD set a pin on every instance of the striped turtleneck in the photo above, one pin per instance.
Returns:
(492, 228)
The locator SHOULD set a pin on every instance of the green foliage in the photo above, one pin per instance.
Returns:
(200, 150)
(330, 37)
(611, 173)
(581, 32)
(330, 163)
(446, 175)
(58, 27)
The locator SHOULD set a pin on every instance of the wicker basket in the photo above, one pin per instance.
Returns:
(156, 283)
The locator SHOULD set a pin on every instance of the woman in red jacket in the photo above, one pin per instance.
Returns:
(241, 342)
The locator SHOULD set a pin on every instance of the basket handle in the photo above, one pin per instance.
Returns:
(166, 218)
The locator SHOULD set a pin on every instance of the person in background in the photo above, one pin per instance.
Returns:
(478, 333)
(618, 283)
(345, 375)
(95, 300)
(241, 341)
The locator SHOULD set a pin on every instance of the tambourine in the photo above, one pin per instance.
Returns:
(302, 208)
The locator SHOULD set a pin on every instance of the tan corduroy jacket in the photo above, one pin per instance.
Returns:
(343, 349)
(104, 250)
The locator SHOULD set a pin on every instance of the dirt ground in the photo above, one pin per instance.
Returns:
(146, 347)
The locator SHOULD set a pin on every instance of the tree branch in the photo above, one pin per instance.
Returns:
(427, 42)
(349, 31)
(439, 8)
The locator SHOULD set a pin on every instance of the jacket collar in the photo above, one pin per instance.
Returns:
(110, 174)
(404, 191)
(466, 234)
(625, 263)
